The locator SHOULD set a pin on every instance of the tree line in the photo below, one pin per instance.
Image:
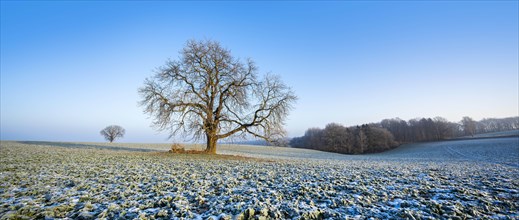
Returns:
(389, 133)
(349, 140)
(497, 124)
(427, 129)
(422, 129)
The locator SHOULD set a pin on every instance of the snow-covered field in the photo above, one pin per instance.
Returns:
(452, 179)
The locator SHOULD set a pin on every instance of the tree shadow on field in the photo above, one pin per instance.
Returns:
(85, 146)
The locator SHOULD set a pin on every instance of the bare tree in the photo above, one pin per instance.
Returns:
(208, 93)
(443, 128)
(335, 138)
(469, 125)
(497, 124)
(112, 132)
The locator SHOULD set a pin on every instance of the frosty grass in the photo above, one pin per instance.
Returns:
(456, 180)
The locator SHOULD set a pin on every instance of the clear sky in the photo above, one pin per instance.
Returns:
(68, 69)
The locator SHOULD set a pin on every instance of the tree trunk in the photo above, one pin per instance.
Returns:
(211, 144)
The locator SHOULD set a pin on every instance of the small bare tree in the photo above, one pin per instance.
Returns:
(112, 132)
(208, 93)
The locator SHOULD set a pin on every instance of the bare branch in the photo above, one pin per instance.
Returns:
(110, 133)
(209, 93)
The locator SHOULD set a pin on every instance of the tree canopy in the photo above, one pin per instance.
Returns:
(209, 93)
(110, 133)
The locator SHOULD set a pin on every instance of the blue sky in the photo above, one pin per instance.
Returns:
(68, 69)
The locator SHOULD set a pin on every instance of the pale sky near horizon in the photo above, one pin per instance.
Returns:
(68, 69)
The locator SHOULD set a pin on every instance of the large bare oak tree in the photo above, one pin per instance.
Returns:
(207, 93)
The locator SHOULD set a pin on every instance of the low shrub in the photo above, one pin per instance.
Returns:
(177, 148)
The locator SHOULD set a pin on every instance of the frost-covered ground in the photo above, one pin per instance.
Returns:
(497, 134)
(454, 179)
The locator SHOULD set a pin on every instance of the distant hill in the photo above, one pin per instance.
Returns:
(254, 142)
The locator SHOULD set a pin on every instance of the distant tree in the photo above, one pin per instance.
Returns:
(416, 130)
(398, 127)
(443, 128)
(514, 122)
(469, 126)
(112, 132)
(379, 139)
(312, 138)
(497, 124)
(335, 138)
(354, 140)
(388, 133)
(210, 94)
(280, 142)
(362, 139)
(297, 142)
